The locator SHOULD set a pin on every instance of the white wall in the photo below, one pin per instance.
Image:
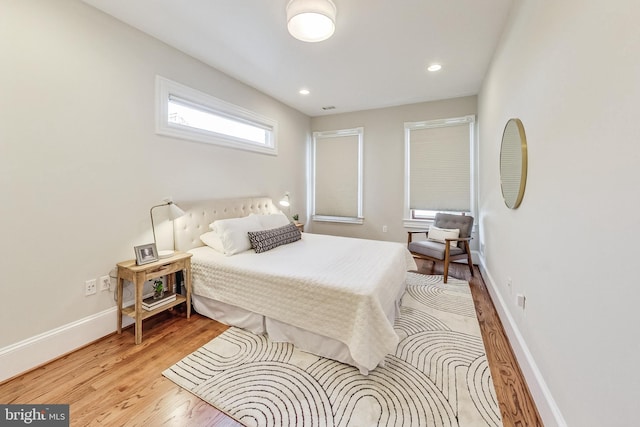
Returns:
(383, 197)
(570, 70)
(80, 163)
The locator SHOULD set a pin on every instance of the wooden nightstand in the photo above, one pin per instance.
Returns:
(139, 274)
(300, 226)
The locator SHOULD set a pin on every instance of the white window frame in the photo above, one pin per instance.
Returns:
(359, 132)
(421, 223)
(166, 89)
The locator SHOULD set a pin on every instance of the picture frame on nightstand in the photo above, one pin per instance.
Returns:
(146, 253)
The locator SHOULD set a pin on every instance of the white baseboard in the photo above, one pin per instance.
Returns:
(547, 407)
(35, 351)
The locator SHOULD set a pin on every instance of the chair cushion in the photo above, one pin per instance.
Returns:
(432, 249)
(438, 234)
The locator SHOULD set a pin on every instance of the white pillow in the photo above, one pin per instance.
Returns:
(271, 221)
(233, 233)
(212, 240)
(440, 234)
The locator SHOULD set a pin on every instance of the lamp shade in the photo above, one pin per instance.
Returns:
(285, 201)
(174, 211)
(311, 20)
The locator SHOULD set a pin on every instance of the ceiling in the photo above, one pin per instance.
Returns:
(376, 58)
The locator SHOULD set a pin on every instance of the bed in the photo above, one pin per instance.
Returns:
(332, 296)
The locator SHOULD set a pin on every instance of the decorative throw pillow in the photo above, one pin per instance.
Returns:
(212, 240)
(265, 240)
(233, 232)
(437, 234)
(271, 221)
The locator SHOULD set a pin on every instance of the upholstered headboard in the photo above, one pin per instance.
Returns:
(188, 228)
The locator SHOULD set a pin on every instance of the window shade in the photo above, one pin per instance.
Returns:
(336, 174)
(440, 168)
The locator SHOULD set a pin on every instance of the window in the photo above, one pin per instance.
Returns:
(439, 168)
(186, 113)
(337, 176)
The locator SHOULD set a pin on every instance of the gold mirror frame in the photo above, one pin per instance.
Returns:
(513, 163)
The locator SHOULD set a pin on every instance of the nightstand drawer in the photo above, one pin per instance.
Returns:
(163, 270)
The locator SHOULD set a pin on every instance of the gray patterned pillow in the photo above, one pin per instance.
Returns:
(265, 240)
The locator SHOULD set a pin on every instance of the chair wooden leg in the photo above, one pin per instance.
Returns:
(469, 260)
(446, 261)
(446, 270)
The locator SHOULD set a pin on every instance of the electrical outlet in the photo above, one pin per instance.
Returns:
(521, 300)
(105, 283)
(90, 287)
(385, 228)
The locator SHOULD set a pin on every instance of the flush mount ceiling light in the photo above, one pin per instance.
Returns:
(434, 67)
(311, 20)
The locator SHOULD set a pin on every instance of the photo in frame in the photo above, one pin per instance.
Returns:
(146, 253)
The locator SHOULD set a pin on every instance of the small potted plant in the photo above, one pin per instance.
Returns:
(295, 218)
(158, 289)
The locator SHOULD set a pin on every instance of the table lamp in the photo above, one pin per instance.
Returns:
(174, 212)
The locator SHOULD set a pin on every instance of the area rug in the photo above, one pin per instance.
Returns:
(439, 375)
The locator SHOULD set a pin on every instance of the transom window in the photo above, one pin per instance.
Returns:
(187, 113)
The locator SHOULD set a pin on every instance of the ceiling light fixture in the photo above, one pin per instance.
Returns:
(304, 92)
(434, 67)
(311, 20)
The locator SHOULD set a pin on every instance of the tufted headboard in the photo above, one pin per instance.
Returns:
(188, 228)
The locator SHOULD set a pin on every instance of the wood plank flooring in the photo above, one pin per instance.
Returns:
(113, 382)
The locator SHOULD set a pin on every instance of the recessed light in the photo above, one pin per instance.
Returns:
(434, 67)
(304, 92)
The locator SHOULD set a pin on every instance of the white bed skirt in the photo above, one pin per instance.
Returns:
(282, 332)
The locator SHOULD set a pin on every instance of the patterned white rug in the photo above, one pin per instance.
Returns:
(438, 376)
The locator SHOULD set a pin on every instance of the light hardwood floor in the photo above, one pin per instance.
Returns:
(114, 382)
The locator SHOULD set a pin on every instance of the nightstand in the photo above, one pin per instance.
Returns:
(300, 226)
(139, 274)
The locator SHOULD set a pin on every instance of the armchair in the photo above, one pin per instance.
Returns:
(445, 247)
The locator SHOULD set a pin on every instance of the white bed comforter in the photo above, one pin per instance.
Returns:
(337, 287)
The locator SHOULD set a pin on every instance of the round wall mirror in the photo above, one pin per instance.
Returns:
(513, 163)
